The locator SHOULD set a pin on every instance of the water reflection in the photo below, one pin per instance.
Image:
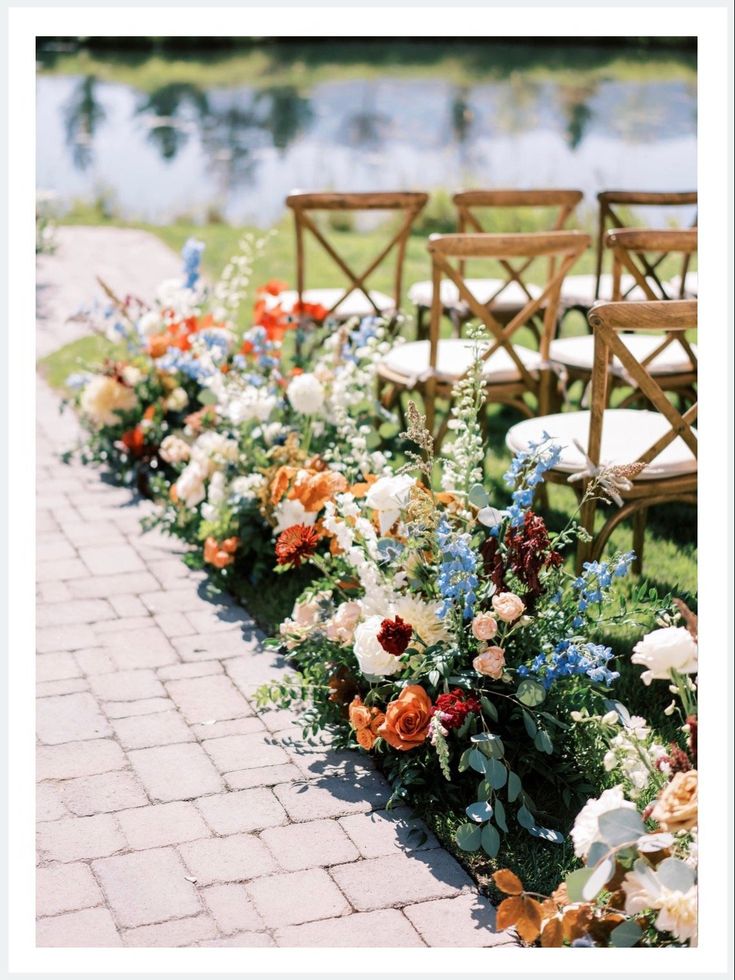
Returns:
(182, 149)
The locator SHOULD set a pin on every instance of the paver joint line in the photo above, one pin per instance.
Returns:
(171, 812)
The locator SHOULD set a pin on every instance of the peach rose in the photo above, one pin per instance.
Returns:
(407, 719)
(676, 807)
(490, 663)
(220, 554)
(484, 626)
(508, 606)
(366, 722)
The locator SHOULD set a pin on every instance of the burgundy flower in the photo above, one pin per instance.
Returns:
(395, 635)
(453, 708)
(693, 725)
(296, 544)
(527, 552)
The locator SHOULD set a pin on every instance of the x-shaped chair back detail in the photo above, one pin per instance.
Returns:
(562, 202)
(609, 217)
(640, 252)
(608, 320)
(304, 205)
(561, 247)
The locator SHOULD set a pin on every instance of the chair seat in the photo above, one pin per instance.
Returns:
(578, 352)
(355, 302)
(454, 357)
(579, 290)
(626, 434)
(691, 286)
(511, 298)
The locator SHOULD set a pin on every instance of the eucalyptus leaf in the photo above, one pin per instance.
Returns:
(478, 496)
(477, 761)
(625, 935)
(620, 826)
(484, 790)
(434, 677)
(490, 840)
(464, 761)
(514, 786)
(675, 875)
(489, 709)
(531, 692)
(469, 837)
(525, 818)
(479, 812)
(499, 814)
(598, 879)
(545, 833)
(529, 724)
(654, 842)
(598, 850)
(491, 516)
(543, 743)
(497, 774)
(575, 882)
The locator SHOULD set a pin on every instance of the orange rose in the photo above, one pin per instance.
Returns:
(316, 489)
(366, 722)
(407, 719)
(220, 555)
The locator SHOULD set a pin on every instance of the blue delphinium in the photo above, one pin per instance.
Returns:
(570, 659)
(191, 253)
(457, 578)
(261, 348)
(178, 360)
(596, 579)
(357, 338)
(525, 473)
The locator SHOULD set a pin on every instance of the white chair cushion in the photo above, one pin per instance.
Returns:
(454, 358)
(578, 352)
(691, 286)
(511, 298)
(354, 304)
(580, 290)
(626, 434)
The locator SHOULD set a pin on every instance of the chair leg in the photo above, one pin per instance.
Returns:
(639, 534)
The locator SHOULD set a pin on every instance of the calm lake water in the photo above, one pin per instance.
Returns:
(184, 151)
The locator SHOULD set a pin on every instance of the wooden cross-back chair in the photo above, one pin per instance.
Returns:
(583, 290)
(511, 370)
(638, 255)
(355, 298)
(661, 437)
(507, 296)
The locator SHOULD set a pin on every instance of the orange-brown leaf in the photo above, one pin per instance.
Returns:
(507, 882)
(509, 912)
(553, 933)
(576, 922)
(532, 911)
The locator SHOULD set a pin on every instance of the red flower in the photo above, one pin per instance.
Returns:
(296, 544)
(453, 708)
(527, 551)
(395, 635)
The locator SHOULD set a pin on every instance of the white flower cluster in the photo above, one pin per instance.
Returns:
(232, 286)
(465, 455)
(634, 753)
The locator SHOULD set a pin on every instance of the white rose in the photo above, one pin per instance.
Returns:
(246, 487)
(177, 400)
(174, 450)
(677, 909)
(371, 657)
(389, 495)
(216, 492)
(131, 375)
(664, 650)
(290, 512)
(104, 397)
(190, 485)
(306, 394)
(149, 324)
(251, 404)
(586, 828)
(341, 627)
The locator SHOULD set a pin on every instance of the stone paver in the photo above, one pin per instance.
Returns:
(170, 811)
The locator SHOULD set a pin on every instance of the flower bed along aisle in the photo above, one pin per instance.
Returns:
(435, 629)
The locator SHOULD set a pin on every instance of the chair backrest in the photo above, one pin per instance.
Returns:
(303, 205)
(609, 203)
(562, 248)
(560, 202)
(608, 320)
(640, 252)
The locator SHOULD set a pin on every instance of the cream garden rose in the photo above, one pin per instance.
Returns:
(174, 449)
(664, 650)
(508, 606)
(190, 485)
(388, 496)
(306, 394)
(341, 627)
(104, 398)
(586, 830)
(371, 657)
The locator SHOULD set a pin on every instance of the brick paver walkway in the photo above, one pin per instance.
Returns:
(170, 811)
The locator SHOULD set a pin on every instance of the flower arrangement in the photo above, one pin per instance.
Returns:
(442, 634)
